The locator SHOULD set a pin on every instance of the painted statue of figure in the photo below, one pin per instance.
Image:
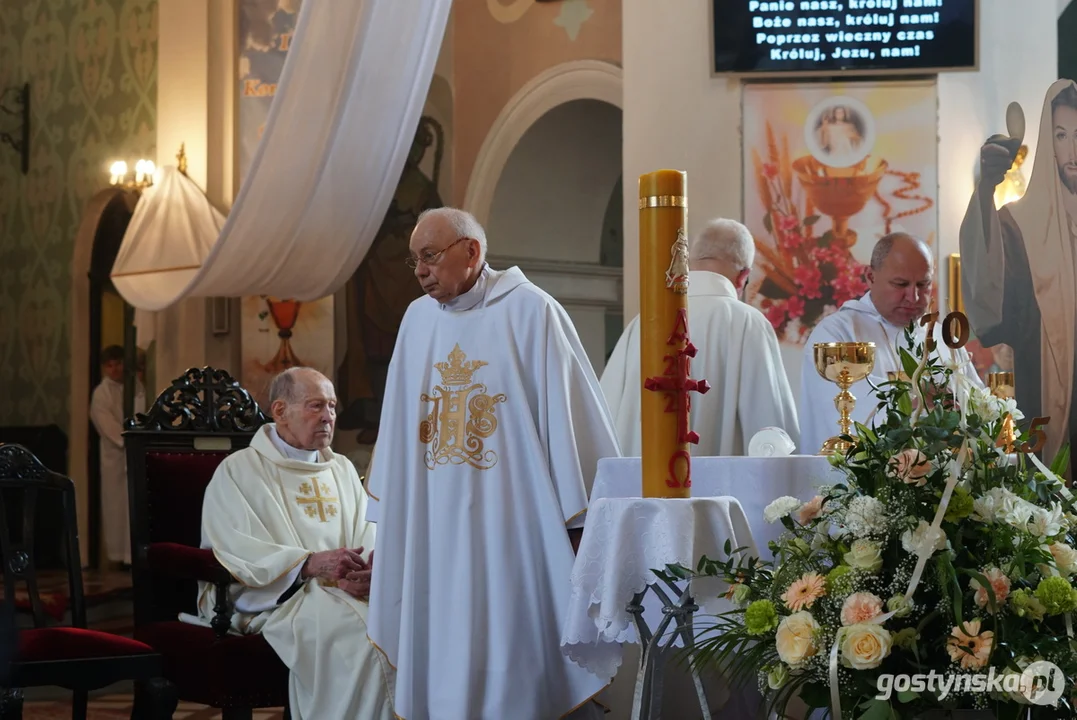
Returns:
(384, 286)
(1018, 261)
(677, 274)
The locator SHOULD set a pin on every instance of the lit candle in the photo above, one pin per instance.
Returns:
(665, 347)
(118, 170)
(140, 170)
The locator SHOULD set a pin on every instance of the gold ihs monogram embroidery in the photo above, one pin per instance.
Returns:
(462, 416)
(316, 500)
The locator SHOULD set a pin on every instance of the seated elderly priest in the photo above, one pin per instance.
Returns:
(286, 517)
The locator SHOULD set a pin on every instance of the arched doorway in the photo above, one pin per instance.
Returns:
(556, 212)
(98, 320)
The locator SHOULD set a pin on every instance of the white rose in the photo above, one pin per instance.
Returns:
(1065, 558)
(795, 638)
(780, 508)
(923, 539)
(864, 555)
(865, 646)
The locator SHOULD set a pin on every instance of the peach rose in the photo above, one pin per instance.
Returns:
(860, 608)
(910, 466)
(1000, 584)
(810, 510)
(865, 646)
(795, 638)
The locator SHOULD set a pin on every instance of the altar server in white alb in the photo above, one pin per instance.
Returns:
(286, 517)
(900, 280)
(491, 431)
(106, 413)
(737, 354)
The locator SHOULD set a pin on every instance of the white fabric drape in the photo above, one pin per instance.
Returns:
(339, 130)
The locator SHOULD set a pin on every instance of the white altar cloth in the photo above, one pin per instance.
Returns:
(754, 481)
(627, 538)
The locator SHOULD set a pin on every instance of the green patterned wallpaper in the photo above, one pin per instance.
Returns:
(92, 69)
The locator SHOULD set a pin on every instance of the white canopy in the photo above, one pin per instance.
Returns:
(342, 122)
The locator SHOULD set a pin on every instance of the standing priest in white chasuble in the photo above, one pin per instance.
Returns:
(901, 279)
(287, 517)
(491, 431)
(738, 354)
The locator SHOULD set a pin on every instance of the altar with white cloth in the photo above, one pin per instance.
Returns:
(617, 598)
(754, 481)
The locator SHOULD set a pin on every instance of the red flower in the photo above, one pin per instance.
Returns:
(809, 281)
(791, 240)
(795, 307)
(776, 313)
(787, 223)
(770, 170)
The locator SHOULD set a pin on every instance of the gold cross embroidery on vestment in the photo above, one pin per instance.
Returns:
(316, 500)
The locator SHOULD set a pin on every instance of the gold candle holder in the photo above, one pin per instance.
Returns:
(843, 364)
(1001, 384)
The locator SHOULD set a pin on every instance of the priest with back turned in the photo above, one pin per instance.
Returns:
(901, 281)
(491, 431)
(738, 354)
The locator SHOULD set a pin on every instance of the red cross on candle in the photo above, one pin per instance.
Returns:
(677, 382)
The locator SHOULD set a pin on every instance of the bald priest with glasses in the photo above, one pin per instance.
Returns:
(491, 430)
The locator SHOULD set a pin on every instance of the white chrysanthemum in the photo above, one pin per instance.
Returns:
(924, 539)
(866, 516)
(780, 508)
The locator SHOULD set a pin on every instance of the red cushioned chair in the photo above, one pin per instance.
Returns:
(172, 452)
(71, 656)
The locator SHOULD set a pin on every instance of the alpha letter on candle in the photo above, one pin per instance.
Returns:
(665, 348)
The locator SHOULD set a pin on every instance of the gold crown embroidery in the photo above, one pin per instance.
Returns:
(462, 416)
(458, 370)
(317, 500)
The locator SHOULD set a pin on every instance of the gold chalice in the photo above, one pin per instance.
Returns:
(843, 364)
(1001, 384)
(839, 192)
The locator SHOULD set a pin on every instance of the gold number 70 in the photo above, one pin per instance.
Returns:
(955, 330)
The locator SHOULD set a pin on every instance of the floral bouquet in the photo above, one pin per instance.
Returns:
(943, 559)
(807, 276)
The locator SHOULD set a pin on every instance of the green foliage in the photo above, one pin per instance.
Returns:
(995, 584)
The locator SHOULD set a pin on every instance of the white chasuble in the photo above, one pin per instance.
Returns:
(263, 515)
(491, 431)
(859, 321)
(737, 354)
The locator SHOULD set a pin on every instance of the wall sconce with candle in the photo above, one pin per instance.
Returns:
(143, 177)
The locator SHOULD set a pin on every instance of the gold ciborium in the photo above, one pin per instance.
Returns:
(839, 192)
(843, 364)
(1001, 384)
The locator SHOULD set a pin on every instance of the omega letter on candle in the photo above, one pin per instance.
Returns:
(665, 348)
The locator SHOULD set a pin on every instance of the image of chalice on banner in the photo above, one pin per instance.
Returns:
(816, 190)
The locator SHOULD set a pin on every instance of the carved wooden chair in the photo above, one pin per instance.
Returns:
(73, 656)
(172, 453)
